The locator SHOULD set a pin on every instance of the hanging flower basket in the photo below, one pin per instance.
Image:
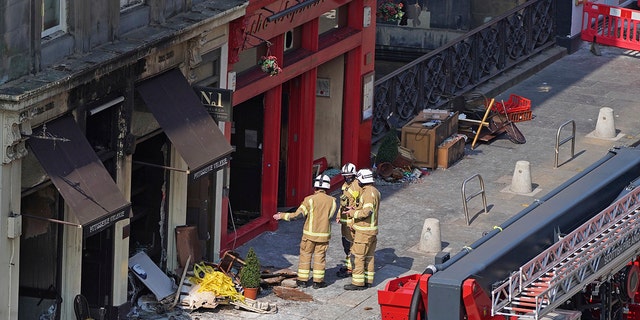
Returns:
(389, 11)
(269, 64)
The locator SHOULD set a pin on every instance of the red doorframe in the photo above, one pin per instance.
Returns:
(272, 104)
(293, 142)
(351, 111)
(302, 108)
(358, 44)
(271, 155)
(299, 160)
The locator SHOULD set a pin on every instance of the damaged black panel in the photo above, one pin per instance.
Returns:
(79, 176)
(185, 121)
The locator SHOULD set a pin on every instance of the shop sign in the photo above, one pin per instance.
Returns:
(217, 102)
(103, 223)
(279, 17)
(212, 167)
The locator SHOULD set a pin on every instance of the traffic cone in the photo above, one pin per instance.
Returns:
(430, 236)
(521, 181)
(605, 127)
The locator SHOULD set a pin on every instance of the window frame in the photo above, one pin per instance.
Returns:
(61, 16)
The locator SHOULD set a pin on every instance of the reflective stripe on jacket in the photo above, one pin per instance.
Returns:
(350, 195)
(366, 215)
(318, 208)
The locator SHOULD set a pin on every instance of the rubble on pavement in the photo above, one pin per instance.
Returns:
(211, 286)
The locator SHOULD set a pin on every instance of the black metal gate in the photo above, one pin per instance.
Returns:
(460, 66)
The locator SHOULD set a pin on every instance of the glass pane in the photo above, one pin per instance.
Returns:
(50, 14)
(39, 243)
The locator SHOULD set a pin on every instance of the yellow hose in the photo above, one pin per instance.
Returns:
(215, 281)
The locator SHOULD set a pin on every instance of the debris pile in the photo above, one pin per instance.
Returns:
(205, 285)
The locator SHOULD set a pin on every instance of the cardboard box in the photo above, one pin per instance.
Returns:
(450, 151)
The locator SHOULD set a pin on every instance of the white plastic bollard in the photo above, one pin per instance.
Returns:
(521, 181)
(430, 236)
(605, 127)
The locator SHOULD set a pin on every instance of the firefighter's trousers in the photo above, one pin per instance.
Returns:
(316, 251)
(363, 250)
(347, 241)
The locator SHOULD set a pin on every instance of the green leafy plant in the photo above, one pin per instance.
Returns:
(390, 11)
(269, 64)
(250, 273)
(388, 150)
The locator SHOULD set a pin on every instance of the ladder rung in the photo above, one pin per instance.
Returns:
(521, 310)
(527, 300)
(530, 299)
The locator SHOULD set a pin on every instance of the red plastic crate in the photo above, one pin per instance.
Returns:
(515, 103)
(520, 116)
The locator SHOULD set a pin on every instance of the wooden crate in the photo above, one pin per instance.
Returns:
(424, 141)
(450, 151)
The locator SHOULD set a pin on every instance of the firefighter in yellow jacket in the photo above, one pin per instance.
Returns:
(318, 209)
(350, 195)
(365, 224)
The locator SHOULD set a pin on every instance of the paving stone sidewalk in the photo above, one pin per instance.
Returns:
(574, 88)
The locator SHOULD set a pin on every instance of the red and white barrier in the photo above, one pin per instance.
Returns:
(612, 26)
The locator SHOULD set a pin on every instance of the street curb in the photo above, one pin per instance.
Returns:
(521, 71)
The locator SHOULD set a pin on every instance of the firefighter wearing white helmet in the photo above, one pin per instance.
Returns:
(350, 194)
(365, 225)
(318, 209)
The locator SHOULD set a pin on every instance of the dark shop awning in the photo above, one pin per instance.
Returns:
(186, 122)
(79, 175)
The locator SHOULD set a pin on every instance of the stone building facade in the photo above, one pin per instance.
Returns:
(108, 148)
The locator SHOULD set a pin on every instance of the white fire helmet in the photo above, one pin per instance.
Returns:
(322, 181)
(348, 169)
(365, 176)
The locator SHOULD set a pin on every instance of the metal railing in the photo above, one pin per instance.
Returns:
(466, 199)
(571, 138)
(460, 66)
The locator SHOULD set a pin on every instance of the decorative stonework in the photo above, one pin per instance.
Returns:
(195, 56)
(13, 142)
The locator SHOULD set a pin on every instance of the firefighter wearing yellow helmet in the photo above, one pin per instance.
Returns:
(350, 194)
(365, 225)
(318, 209)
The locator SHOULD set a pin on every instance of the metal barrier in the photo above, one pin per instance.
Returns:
(571, 138)
(466, 199)
(612, 26)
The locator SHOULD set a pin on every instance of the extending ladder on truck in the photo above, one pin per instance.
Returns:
(601, 246)
(610, 25)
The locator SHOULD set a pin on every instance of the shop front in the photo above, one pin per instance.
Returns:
(107, 175)
(158, 148)
(200, 152)
(301, 71)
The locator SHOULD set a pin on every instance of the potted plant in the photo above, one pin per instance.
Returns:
(269, 64)
(250, 275)
(389, 11)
